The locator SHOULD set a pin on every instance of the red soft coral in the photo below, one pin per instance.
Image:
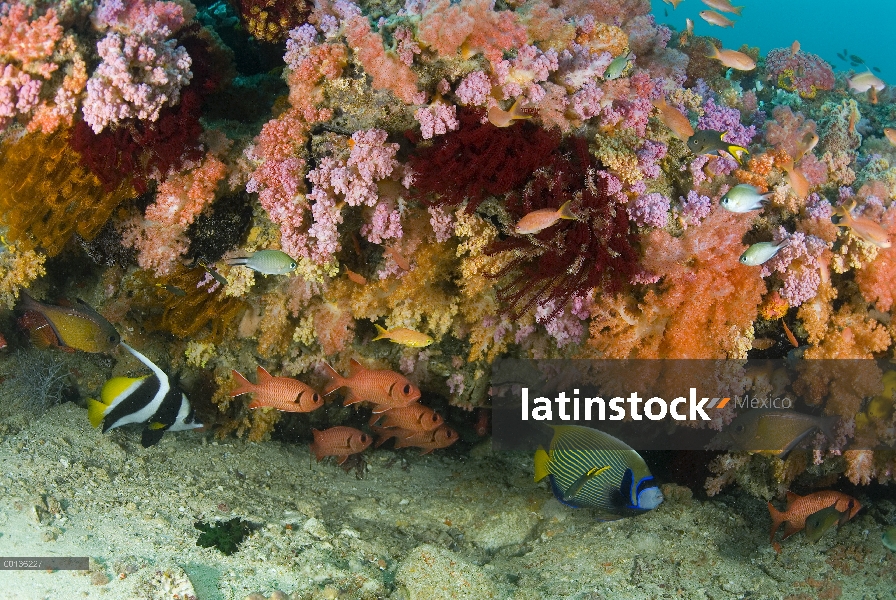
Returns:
(479, 160)
(574, 256)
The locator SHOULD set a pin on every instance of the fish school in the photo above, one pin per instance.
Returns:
(654, 409)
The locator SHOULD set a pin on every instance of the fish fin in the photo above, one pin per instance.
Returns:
(791, 498)
(737, 152)
(113, 388)
(713, 51)
(96, 412)
(381, 409)
(244, 386)
(354, 368)
(382, 334)
(256, 404)
(426, 451)
(235, 261)
(565, 212)
(777, 518)
(518, 112)
(151, 437)
(262, 374)
(336, 380)
(789, 530)
(541, 464)
(737, 10)
(352, 398)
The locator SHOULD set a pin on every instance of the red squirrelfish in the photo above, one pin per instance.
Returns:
(339, 441)
(282, 393)
(385, 388)
(414, 417)
(442, 437)
(800, 507)
(862, 227)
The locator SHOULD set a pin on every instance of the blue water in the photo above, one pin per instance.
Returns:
(823, 27)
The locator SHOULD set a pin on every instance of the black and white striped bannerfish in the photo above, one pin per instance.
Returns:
(150, 399)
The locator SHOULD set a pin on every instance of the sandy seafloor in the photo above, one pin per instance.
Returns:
(437, 526)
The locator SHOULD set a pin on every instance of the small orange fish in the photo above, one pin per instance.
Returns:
(674, 3)
(413, 417)
(800, 507)
(794, 47)
(790, 337)
(505, 118)
(674, 119)
(482, 423)
(357, 278)
(890, 133)
(339, 441)
(862, 227)
(282, 393)
(382, 387)
(402, 262)
(714, 18)
(539, 220)
(797, 180)
(403, 336)
(732, 58)
(806, 145)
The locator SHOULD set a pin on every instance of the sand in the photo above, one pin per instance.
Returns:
(405, 527)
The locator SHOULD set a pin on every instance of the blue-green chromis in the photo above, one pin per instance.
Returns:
(760, 253)
(267, 262)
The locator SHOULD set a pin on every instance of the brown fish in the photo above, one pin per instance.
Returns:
(81, 327)
(774, 431)
(714, 18)
(339, 441)
(819, 522)
(800, 507)
(385, 388)
(282, 393)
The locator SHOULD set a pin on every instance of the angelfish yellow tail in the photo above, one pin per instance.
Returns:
(541, 464)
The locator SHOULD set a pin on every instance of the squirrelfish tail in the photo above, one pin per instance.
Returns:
(336, 380)
(777, 518)
(244, 386)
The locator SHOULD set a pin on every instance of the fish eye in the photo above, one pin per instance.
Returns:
(407, 388)
(315, 398)
(739, 428)
(363, 438)
(293, 265)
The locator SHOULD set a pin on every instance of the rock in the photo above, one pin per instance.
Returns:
(431, 573)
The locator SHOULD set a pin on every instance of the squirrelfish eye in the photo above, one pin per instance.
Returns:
(363, 438)
(434, 417)
(407, 388)
(315, 398)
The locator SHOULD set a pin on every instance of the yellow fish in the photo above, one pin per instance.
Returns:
(81, 327)
(403, 336)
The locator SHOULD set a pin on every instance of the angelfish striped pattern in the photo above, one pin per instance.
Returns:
(596, 463)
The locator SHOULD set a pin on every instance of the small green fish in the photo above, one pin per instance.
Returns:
(819, 522)
(760, 252)
(616, 68)
(172, 289)
(743, 198)
(266, 262)
(889, 537)
(588, 468)
(710, 141)
(80, 327)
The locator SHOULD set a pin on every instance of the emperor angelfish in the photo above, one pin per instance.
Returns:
(150, 399)
(591, 469)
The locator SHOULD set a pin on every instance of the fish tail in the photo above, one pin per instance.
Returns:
(737, 10)
(244, 386)
(565, 212)
(713, 51)
(238, 260)
(517, 112)
(777, 518)
(738, 152)
(95, 412)
(541, 464)
(336, 380)
(382, 334)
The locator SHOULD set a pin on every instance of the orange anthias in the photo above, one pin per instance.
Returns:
(385, 388)
(282, 393)
(800, 507)
(339, 441)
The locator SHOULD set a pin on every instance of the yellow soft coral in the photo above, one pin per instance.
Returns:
(46, 195)
(18, 268)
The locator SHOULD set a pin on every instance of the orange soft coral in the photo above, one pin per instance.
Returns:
(705, 304)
